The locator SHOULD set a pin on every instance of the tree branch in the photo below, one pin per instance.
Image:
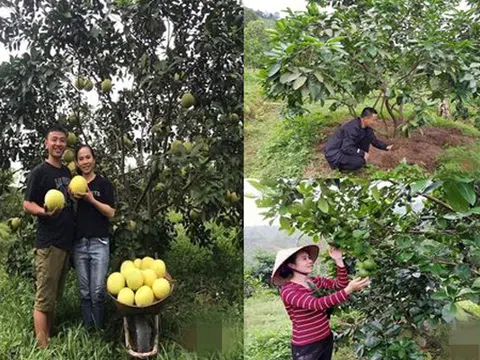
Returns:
(439, 202)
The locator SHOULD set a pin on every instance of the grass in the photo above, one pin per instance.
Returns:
(268, 329)
(279, 147)
(72, 341)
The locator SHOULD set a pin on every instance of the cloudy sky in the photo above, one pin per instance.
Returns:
(273, 6)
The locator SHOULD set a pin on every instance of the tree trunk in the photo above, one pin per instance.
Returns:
(443, 110)
(394, 119)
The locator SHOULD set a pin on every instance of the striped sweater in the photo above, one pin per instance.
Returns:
(307, 312)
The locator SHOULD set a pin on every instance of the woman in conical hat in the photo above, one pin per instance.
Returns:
(312, 338)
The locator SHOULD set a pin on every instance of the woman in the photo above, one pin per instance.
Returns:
(91, 251)
(312, 338)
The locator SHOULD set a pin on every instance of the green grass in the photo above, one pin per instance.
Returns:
(74, 342)
(268, 329)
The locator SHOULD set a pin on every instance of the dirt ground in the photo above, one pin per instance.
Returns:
(422, 148)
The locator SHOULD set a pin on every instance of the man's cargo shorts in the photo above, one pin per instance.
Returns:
(50, 267)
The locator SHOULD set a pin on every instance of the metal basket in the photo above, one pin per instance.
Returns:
(152, 309)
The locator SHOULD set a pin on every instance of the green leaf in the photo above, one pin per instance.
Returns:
(299, 82)
(319, 76)
(323, 205)
(448, 312)
(476, 283)
(376, 194)
(475, 210)
(418, 186)
(456, 195)
(288, 77)
(285, 223)
(274, 69)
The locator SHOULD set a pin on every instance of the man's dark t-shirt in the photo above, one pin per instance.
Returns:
(90, 221)
(55, 230)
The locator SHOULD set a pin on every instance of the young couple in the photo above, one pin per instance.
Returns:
(61, 233)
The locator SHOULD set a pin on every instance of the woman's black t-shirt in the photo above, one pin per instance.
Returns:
(90, 221)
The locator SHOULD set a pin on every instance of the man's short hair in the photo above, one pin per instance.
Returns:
(368, 111)
(57, 128)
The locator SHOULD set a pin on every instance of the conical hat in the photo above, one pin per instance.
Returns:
(284, 254)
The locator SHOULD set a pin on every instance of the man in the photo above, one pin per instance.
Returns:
(347, 148)
(55, 231)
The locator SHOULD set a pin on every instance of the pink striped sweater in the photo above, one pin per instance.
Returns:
(307, 312)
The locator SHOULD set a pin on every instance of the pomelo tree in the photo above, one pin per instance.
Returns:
(115, 74)
(422, 237)
(395, 52)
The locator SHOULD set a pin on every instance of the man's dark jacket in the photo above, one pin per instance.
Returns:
(351, 139)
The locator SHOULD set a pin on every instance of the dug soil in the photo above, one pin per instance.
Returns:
(423, 147)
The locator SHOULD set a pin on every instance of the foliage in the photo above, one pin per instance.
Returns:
(424, 236)
(256, 43)
(401, 52)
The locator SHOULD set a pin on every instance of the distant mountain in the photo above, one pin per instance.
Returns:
(253, 15)
(269, 239)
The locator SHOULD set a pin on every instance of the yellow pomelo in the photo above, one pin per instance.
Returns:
(161, 288)
(144, 296)
(147, 262)
(115, 283)
(71, 139)
(138, 263)
(159, 267)
(126, 296)
(126, 266)
(149, 276)
(54, 199)
(78, 185)
(134, 278)
(68, 155)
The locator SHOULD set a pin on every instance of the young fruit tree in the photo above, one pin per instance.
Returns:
(418, 241)
(387, 54)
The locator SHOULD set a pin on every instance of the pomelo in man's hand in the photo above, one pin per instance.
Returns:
(54, 200)
(115, 283)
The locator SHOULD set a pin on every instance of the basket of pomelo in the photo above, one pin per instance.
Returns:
(140, 286)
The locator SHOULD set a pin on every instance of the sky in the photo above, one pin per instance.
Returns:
(273, 6)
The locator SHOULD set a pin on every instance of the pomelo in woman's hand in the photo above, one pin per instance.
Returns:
(115, 283)
(78, 185)
(363, 273)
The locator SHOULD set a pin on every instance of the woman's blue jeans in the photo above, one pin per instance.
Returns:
(91, 257)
